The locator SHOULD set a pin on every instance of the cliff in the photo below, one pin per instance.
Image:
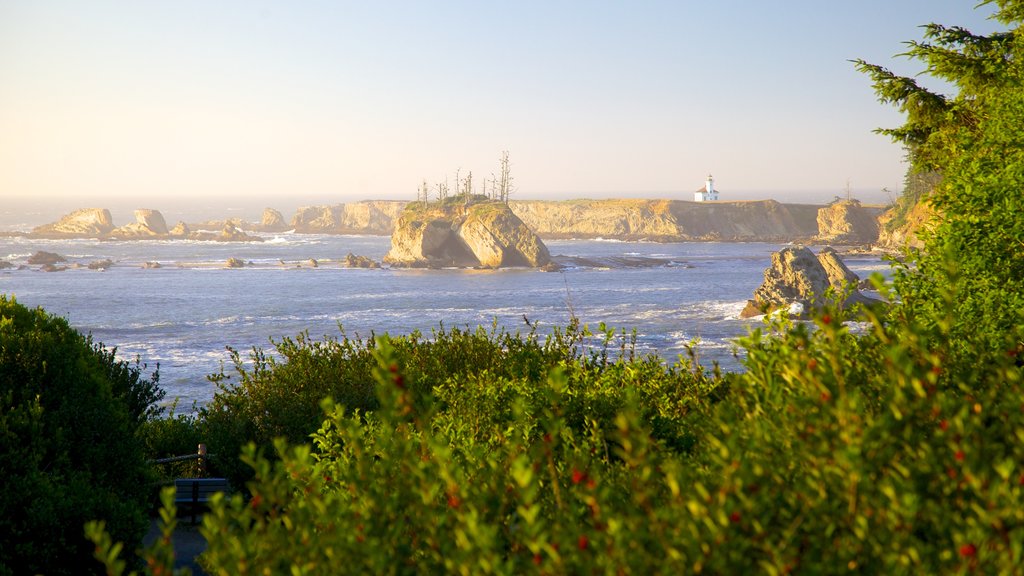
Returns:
(484, 235)
(367, 217)
(898, 230)
(848, 222)
(765, 220)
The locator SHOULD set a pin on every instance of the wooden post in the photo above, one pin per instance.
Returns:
(202, 460)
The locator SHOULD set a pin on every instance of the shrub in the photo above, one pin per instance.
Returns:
(68, 451)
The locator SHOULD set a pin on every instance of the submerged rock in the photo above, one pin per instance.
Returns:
(798, 279)
(235, 263)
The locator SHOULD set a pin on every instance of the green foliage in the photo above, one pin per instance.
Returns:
(174, 434)
(68, 451)
(890, 445)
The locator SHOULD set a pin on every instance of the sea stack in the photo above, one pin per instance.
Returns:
(479, 235)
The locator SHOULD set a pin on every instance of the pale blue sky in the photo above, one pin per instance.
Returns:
(334, 101)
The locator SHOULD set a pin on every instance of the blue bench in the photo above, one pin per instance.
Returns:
(196, 492)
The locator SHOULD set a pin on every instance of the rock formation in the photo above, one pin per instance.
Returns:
(671, 220)
(148, 224)
(353, 261)
(486, 235)
(84, 223)
(895, 235)
(848, 222)
(367, 217)
(798, 276)
(272, 221)
(230, 233)
(235, 263)
(43, 257)
(180, 230)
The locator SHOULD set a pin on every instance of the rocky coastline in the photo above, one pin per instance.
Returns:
(844, 222)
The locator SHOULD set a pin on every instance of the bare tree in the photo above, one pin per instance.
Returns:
(505, 184)
(467, 187)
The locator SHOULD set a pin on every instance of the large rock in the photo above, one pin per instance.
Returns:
(148, 224)
(272, 221)
(848, 222)
(86, 222)
(366, 217)
(797, 281)
(486, 235)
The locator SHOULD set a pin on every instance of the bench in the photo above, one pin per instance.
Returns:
(196, 492)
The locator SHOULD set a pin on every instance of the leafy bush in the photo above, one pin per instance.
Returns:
(68, 451)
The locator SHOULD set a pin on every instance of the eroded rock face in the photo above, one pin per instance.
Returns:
(272, 221)
(484, 235)
(848, 222)
(498, 238)
(148, 223)
(798, 279)
(86, 222)
(367, 217)
(180, 229)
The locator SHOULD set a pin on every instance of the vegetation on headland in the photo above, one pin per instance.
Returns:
(895, 450)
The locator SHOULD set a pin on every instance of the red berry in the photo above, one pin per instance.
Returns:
(826, 319)
(583, 542)
(943, 424)
(735, 517)
(968, 550)
(537, 559)
(578, 476)
(959, 455)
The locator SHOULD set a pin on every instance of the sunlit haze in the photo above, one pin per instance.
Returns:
(336, 101)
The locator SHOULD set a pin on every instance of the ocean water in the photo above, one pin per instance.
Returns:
(184, 314)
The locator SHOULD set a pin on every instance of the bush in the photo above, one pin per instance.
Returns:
(68, 451)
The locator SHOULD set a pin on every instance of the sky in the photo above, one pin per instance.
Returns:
(338, 101)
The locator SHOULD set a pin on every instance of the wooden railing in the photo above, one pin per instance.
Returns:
(200, 455)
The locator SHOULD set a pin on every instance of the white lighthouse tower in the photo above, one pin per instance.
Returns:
(706, 193)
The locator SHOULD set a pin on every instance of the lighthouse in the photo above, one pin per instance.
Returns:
(706, 193)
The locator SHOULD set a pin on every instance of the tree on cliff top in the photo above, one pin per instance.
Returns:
(973, 257)
(974, 65)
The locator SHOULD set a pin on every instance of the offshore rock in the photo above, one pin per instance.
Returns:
(366, 217)
(848, 222)
(83, 223)
(230, 233)
(798, 279)
(353, 261)
(148, 224)
(180, 230)
(43, 257)
(272, 221)
(485, 235)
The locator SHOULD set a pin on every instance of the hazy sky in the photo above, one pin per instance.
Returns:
(357, 100)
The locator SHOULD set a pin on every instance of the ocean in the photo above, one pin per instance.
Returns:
(184, 314)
